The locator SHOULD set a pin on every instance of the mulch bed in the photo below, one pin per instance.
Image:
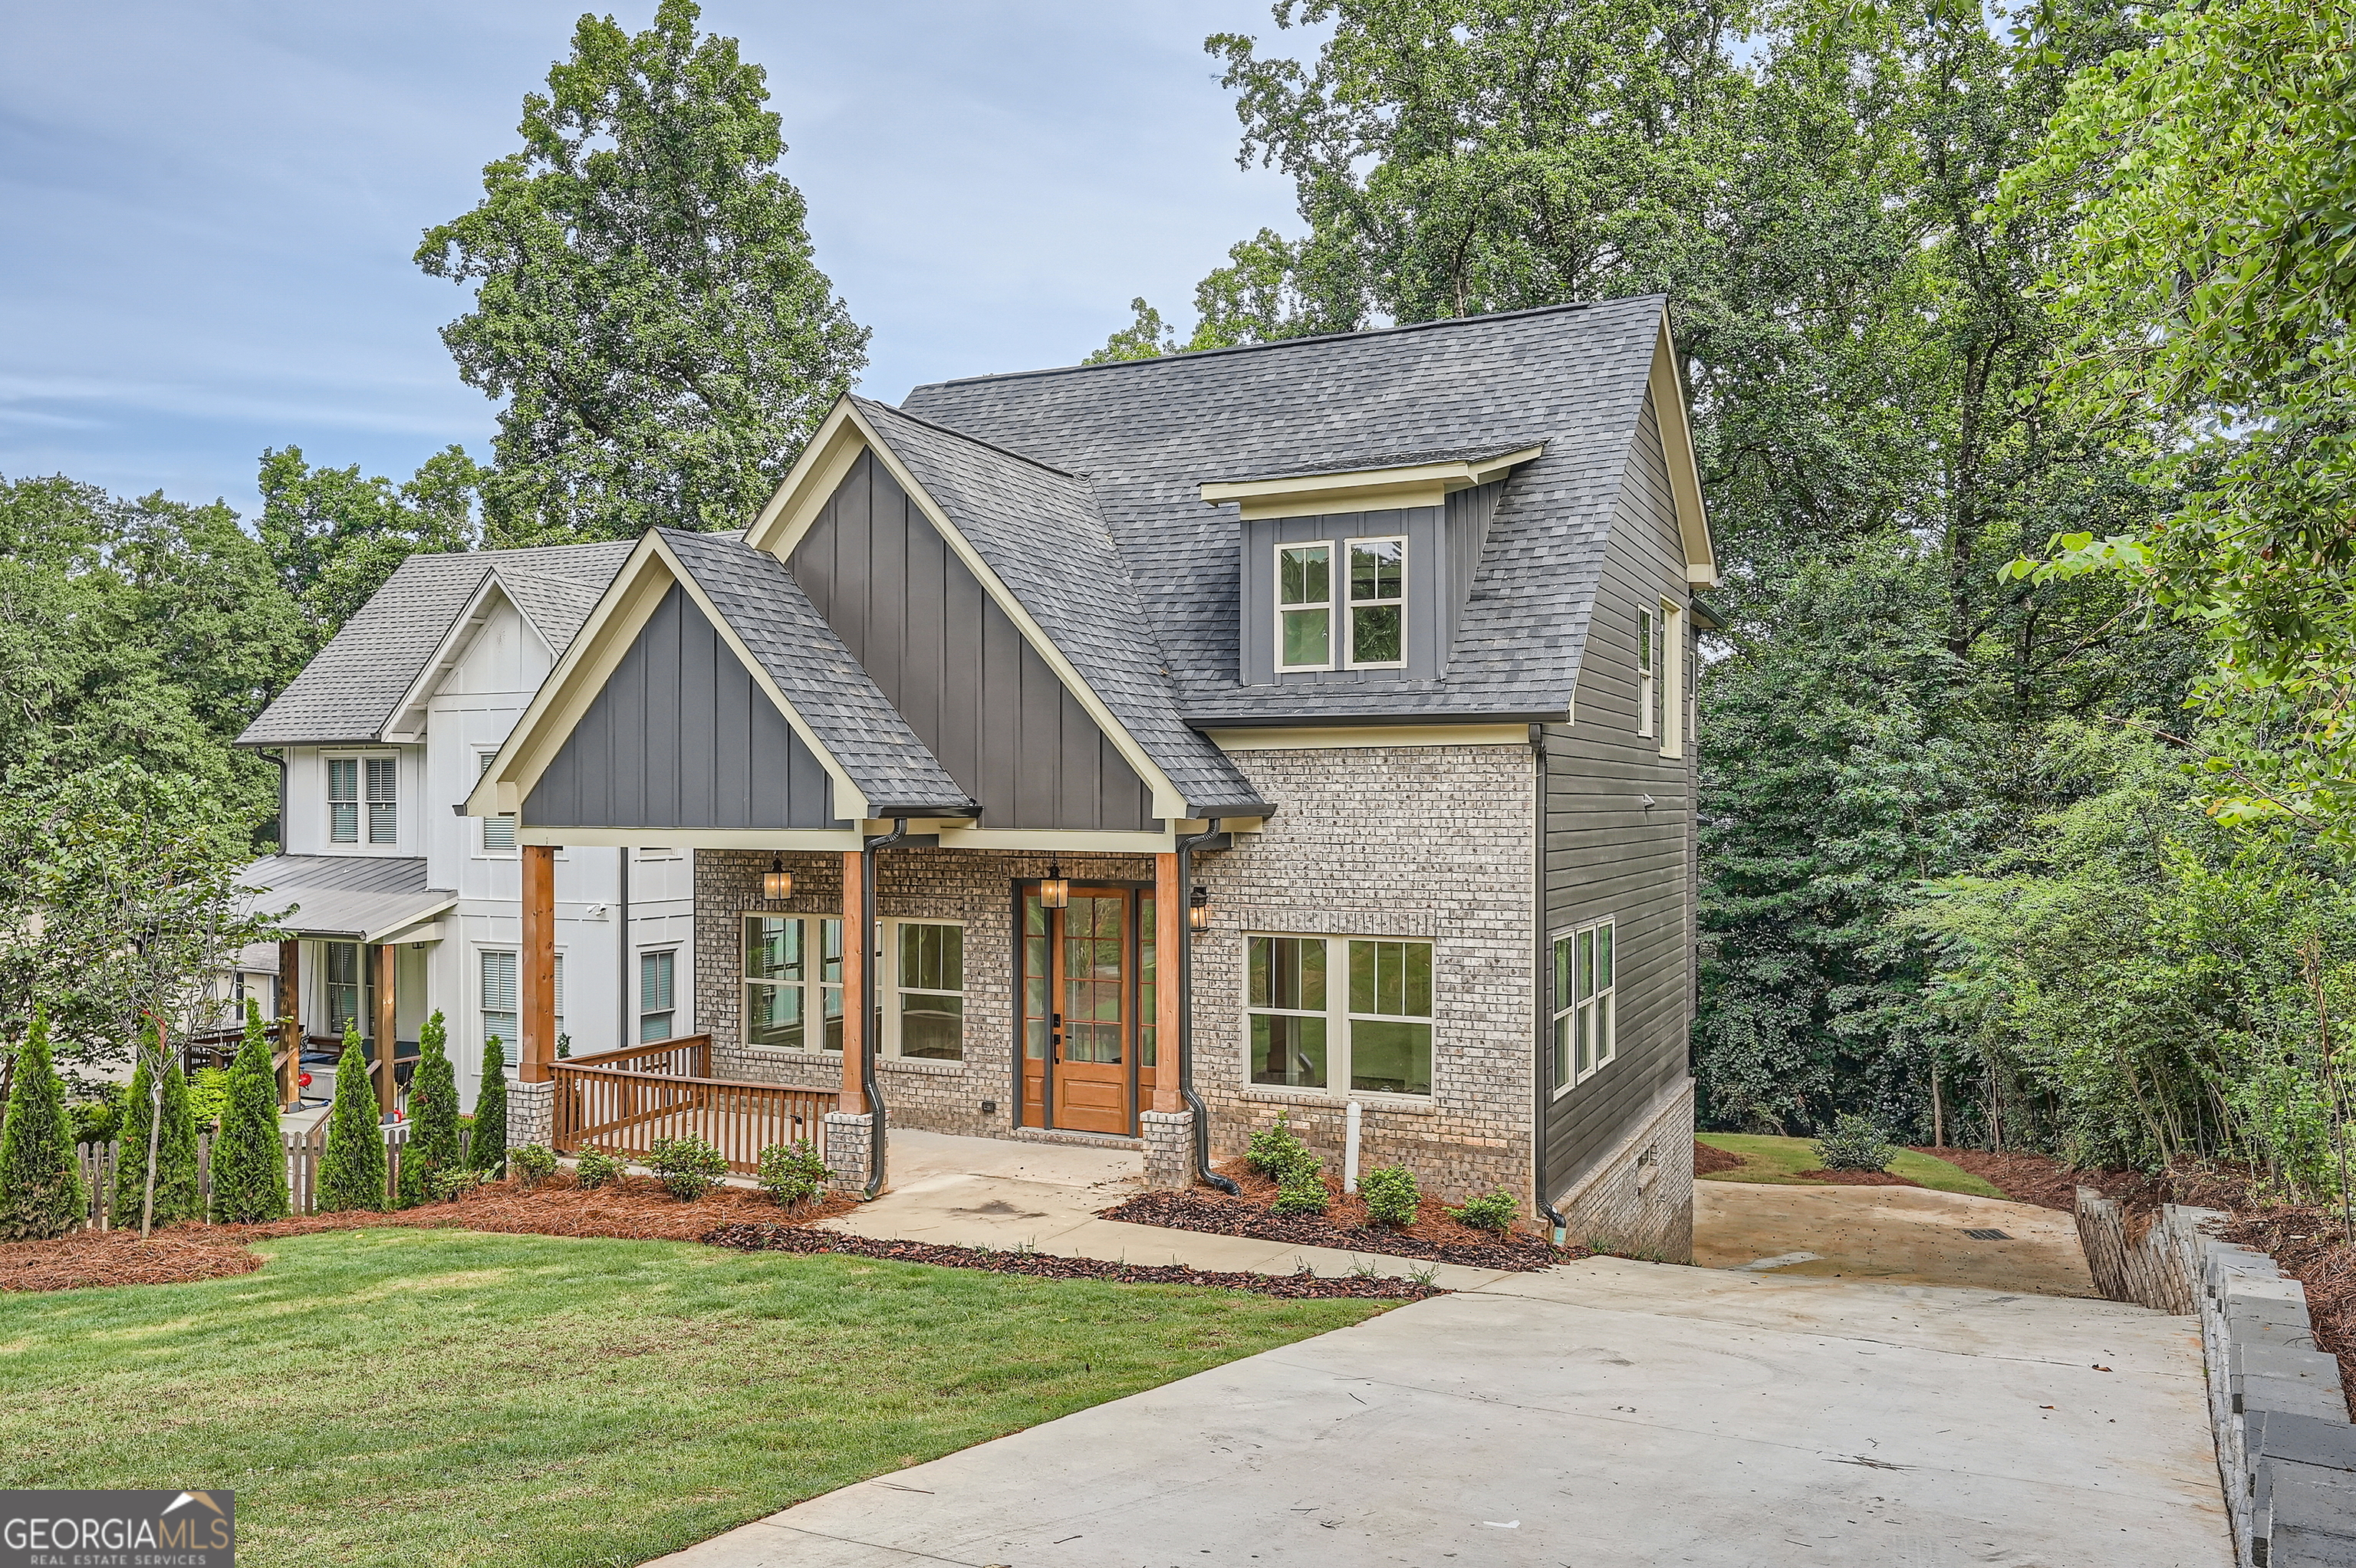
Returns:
(1708, 1161)
(2045, 1182)
(776, 1238)
(634, 1208)
(1435, 1236)
(1856, 1178)
(2311, 1245)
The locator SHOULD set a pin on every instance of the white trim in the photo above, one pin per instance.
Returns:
(888, 974)
(1276, 577)
(1360, 490)
(813, 989)
(1669, 677)
(1349, 606)
(1606, 1001)
(1665, 386)
(450, 653)
(1340, 1020)
(1648, 660)
(1317, 738)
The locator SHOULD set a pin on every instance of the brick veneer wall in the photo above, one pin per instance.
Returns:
(1426, 842)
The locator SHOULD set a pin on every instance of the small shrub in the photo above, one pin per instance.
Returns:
(209, 1096)
(792, 1173)
(434, 1144)
(100, 1121)
(1390, 1195)
(178, 1196)
(487, 1149)
(594, 1169)
(1301, 1190)
(1494, 1212)
(1275, 1151)
(533, 1162)
(455, 1182)
(1854, 1143)
(688, 1165)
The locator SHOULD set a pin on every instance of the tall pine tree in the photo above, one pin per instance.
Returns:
(41, 1192)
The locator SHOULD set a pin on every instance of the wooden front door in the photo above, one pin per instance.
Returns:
(1080, 1072)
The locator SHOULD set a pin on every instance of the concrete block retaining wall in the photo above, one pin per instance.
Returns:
(2285, 1447)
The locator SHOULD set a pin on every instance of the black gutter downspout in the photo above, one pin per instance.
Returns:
(867, 959)
(1203, 1171)
(1541, 978)
(622, 1032)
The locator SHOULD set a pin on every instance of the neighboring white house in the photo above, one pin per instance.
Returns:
(400, 905)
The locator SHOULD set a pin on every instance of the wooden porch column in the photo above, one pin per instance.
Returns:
(857, 940)
(387, 997)
(537, 963)
(1169, 911)
(290, 1018)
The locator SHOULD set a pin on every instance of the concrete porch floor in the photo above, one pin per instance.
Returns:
(999, 1192)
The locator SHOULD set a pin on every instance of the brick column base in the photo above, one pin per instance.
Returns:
(1169, 1147)
(531, 1114)
(846, 1151)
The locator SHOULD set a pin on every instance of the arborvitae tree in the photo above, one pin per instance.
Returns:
(178, 1196)
(249, 1156)
(352, 1173)
(131, 1148)
(489, 1152)
(432, 1143)
(41, 1194)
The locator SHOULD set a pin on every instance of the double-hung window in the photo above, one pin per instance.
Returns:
(498, 831)
(1304, 606)
(1669, 683)
(1340, 1014)
(793, 982)
(1648, 694)
(928, 990)
(658, 1008)
(358, 783)
(1377, 603)
(1585, 1037)
(499, 1010)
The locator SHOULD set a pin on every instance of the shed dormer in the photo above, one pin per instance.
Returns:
(1358, 571)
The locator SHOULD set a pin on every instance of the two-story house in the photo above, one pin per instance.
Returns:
(401, 906)
(1135, 751)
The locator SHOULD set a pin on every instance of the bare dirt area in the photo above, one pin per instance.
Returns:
(1709, 1160)
(2045, 1182)
(1856, 1178)
(1435, 1235)
(634, 1208)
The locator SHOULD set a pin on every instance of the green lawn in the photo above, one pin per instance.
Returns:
(447, 1397)
(1782, 1160)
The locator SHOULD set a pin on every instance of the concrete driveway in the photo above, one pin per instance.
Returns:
(1604, 1414)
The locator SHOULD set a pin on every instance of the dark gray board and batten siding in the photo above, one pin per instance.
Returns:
(680, 736)
(957, 667)
(1605, 854)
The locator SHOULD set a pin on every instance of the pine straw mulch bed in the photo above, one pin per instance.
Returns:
(633, 1207)
(2311, 1245)
(791, 1238)
(2045, 1182)
(1436, 1236)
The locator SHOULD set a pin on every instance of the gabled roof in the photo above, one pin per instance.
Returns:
(1148, 433)
(849, 717)
(352, 688)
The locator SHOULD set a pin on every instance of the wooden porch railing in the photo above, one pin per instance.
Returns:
(620, 1102)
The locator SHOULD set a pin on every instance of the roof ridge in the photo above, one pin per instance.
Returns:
(1437, 322)
(968, 436)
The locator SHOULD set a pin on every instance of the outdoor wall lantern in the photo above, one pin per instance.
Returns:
(1056, 892)
(1198, 909)
(776, 882)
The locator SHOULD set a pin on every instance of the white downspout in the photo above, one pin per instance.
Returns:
(1350, 1149)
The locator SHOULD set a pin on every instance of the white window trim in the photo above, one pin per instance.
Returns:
(1607, 996)
(1670, 640)
(360, 842)
(1276, 585)
(1648, 649)
(745, 983)
(484, 849)
(639, 1011)
(887, 972)
(482, 1009)
(1338, 1018)
(1348, 607)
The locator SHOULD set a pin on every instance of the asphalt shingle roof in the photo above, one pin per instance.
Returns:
(1038, 530)
(1147, 434)
(349, 691)
(845, 709)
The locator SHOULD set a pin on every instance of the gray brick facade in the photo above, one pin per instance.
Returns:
(1638, 1199)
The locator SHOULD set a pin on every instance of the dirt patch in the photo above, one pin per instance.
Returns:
(1856, 1178)
(1708, 1161)
(2311, 1246)
(1435, 1235)
(2045, 1182)
(776, 1238)
(635, 1208)
(121, 1257)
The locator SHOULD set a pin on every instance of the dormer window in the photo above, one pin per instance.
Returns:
(1304, 598)
(1373, 608)
(1377, 603)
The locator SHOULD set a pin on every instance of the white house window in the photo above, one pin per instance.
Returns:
(383, 806)
(1340, 1014)
(356, 782)
(793, 982)
(657, 1012)
(1647, 692)
(929, 989)
(347, 989)
(498, 832)
(1377, 602)
(498, 1009)
(1585, 1031)
(343, 800)
(1670, 688)
(1304, 614)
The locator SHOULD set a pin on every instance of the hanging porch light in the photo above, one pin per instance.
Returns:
(1056, 892)
(1198, 909)
(776, 882)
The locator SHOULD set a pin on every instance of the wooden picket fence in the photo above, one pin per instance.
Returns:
(304, 1150)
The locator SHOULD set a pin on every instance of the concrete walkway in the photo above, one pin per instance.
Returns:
(1899, 1236)
(1605, 1414)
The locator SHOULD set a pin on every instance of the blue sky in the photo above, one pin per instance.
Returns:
(211, 206)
